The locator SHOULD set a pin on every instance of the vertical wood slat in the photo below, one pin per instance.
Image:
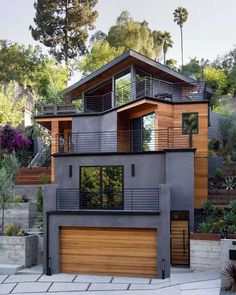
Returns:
(110, 251)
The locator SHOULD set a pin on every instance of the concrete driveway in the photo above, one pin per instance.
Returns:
(182, 282)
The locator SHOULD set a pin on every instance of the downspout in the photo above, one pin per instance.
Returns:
(48, 259)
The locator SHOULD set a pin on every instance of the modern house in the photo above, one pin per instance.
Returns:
(129, 165)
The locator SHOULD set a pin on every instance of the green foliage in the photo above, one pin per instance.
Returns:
(230, 218)
(218, 172)
(10, 111)
(208, 208)
(39, 200)
(63, 26)
(18, 199)
(180, 16)
(205, 227)
(100, 54)
(172, 64)
(231, 229)
(229, 273)
(232, 206)
(192, 68)
(229, 182)
(14, 229)
(44, 178)
(125, 34)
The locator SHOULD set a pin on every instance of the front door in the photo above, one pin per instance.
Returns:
(179, 238)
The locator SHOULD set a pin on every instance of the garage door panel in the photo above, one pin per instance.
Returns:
(108, 251)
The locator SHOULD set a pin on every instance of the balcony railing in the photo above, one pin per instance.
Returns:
(146, 87)
(128, 200)
(126, 141)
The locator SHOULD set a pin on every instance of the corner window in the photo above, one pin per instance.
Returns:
(101, 187)
(123, 88)
(190, 123)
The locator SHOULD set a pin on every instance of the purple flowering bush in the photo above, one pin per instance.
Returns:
(12, 139)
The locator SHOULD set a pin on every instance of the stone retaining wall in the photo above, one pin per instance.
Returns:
(19, 250)
(205, 254)
(21, 213)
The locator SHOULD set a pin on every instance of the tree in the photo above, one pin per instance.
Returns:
(17, 62)
(10, 111)
(180, 17)
(100, 54)
(192, 68)
(172, 64)
(166, 43)
(9, 167)
(125, 34)
(63, 26)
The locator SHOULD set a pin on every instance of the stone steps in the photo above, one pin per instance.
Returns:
(10, 269)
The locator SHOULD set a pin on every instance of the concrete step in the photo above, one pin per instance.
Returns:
(10, 269)
(37, 269)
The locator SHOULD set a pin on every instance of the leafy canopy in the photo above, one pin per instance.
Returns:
(125, 34)
(63, 26)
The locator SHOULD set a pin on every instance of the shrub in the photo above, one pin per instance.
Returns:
(229, 183)
(233, 156)
(44, 178)
(230, 218)
(232, 206)
(229, 273)
(218, 226)
(205, 227)
(231, 229)
(14, 229)
(219, 211)
(218, 172)
(208, 208)
(39, 198)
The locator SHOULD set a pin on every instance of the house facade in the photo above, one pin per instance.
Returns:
(129, 165)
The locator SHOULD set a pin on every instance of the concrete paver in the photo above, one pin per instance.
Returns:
(31, 287)
(61, 277)
(6, 288)
(92, 279)
(180, 283)
(63, 287)
(107, 286)
(131, 280)
(22, 278)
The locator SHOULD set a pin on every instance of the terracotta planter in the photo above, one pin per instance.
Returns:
(222, 192)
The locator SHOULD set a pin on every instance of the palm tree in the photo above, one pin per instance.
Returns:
(166, 43)
(180, 17)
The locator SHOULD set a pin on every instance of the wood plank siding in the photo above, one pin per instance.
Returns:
(170, 115)
(113, 251)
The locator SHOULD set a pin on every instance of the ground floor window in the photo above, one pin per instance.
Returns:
(101, 187)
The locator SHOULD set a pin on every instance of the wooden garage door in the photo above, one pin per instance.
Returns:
(125, 252)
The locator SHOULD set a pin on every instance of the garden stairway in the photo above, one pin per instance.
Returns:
(28, 176)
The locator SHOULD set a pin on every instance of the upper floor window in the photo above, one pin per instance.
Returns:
(101, 187)
(190, 123)
(123, 87)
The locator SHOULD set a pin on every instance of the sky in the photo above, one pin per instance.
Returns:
(209, 31)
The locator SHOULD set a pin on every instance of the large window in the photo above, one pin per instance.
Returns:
(101, 187)
(190, 123)
(123, 88)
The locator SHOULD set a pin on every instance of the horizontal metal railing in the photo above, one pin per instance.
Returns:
(130, 199)
(145, 87)
(122, 141)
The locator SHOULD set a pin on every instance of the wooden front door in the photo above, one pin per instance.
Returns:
(179, 241)
(108, 251)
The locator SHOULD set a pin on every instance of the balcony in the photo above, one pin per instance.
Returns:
(127, 141)
(145, 88)
(128, 200)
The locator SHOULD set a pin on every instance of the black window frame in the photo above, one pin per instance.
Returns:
(101, 187)
(190, 113)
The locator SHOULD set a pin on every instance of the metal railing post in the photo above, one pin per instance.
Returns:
(191, 138)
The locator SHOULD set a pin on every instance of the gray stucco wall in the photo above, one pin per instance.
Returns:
(172, 171)
(123, 220)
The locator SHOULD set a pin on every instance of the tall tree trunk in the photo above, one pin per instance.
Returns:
(66, 38)
(3, 217)
(164, 58)
(182, 45)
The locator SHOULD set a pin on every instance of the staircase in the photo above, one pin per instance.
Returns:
(29, 176)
